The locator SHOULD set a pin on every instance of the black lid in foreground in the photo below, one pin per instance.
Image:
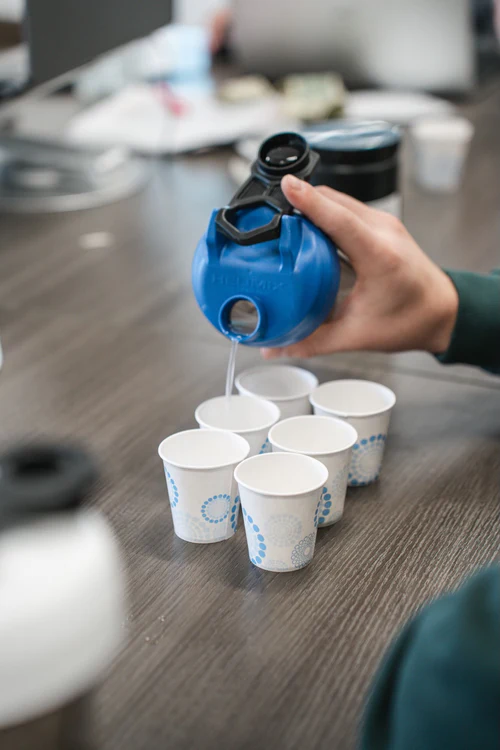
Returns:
(43, 478)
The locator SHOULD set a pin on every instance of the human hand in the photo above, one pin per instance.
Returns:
(219, 27)
(400, 301)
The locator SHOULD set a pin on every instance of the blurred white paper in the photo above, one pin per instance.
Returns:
(138, 118)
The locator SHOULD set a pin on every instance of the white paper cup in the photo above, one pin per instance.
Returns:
(367, 406)
(286, 386)
(199, 469)
(330, 441)
(245, 415)
(280, 496)
(440, 148)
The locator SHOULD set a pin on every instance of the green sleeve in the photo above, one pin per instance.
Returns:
(439, 686)
(476, 337)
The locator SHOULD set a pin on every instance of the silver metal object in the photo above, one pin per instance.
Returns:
(38, 176)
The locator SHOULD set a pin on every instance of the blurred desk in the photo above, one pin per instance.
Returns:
(103, 342)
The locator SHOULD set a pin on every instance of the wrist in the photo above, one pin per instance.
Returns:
(445, 316)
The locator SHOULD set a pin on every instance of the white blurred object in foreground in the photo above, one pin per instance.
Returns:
(61, 597)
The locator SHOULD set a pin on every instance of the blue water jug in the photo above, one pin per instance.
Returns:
(262, 273)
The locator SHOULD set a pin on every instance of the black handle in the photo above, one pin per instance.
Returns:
(285, 153)
(269, 231)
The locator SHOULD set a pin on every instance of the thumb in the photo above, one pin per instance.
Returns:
(348, 231)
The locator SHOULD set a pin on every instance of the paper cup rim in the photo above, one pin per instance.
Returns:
(304, 394)
(351, 414)
(248, 431)
(204, 467)
(340, 422)
(269, 457)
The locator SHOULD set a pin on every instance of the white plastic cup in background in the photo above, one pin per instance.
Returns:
(440, 148)
(286, 386)
(330, 441)
(368, 407)
(199, 469)
(247, 416)
(280, 497)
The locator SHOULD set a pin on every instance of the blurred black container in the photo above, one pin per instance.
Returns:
(360, 159)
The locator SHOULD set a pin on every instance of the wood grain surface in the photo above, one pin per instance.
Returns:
(107, 346)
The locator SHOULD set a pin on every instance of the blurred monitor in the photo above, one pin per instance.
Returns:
(411, 44)
(65, 34)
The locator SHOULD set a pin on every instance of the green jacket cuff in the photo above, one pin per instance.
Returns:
(476, 336)
(438, 686)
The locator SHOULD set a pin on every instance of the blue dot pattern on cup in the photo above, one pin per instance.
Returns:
(265, 447)
(303, 551)
(255, 539)
(216, 509)
(173, 492)
(283, 529)
(366, 460)
(332, 498)
(326, 502)
(316, 513)
(235, 512)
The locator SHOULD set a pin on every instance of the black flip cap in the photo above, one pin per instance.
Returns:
(283, 153)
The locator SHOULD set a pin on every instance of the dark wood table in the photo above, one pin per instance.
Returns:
(107, 346)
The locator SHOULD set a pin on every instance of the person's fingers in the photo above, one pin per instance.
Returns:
(369, 215)
(340, 335)
(353, 236)
(272, 353)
